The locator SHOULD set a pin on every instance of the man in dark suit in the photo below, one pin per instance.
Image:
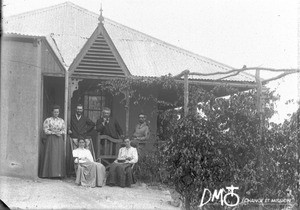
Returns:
(81, 126)
(109, 126)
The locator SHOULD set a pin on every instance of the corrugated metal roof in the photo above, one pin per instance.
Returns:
(14, 34)
(71, 26)
(53, 45)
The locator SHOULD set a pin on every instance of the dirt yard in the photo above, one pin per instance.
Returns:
(20, 193)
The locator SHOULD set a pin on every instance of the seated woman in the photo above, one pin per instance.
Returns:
(89, 173)
(120, 171)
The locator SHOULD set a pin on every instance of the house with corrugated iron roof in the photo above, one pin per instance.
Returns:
(56, 55)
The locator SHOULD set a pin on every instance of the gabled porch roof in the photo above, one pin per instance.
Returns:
(99, 58)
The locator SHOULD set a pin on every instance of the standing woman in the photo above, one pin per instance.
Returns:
(54, 161)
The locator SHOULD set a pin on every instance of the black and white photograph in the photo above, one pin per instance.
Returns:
(150, 104)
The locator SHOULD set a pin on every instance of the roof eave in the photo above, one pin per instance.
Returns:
(235, 84)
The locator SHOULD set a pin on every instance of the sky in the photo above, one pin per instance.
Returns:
(255, 33)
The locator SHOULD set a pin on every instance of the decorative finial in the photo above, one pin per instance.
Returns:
(101, 17)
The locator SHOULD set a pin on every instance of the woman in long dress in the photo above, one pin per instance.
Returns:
(120, 171)
(54, 161)
(89, 173)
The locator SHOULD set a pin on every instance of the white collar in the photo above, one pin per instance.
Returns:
(78, 118)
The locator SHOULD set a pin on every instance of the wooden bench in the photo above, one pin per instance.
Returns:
(107, 148)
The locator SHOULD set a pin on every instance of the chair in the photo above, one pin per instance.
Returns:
(108, 148)
(74, 145)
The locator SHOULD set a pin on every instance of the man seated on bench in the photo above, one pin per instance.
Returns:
(141, 131)
(120, 171)
(107, 125)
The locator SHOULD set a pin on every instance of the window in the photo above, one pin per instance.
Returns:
(93, 105)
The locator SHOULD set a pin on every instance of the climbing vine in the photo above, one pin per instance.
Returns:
(146, 89)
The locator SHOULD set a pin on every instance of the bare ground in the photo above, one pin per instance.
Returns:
(19, 193)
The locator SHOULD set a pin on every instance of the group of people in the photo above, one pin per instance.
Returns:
(89, 172)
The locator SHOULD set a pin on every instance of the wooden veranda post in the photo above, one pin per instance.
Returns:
(259, 90)
(127, 112)
(260, 103)
(259, 107)
(186, 93)
(185, 74)
(261, 121)
(66, 109)
(38, 43)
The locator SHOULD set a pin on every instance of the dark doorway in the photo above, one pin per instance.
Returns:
(53, 94)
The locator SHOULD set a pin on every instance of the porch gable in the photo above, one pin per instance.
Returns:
(99, 58)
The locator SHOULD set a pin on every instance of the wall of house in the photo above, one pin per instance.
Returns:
(20, 108)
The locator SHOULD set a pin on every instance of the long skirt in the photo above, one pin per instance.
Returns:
(90, 174)
(54, 161)
(120, 174)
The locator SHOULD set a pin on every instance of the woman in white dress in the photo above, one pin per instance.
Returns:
(89, 173)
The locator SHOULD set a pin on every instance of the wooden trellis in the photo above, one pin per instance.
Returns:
(259, 83)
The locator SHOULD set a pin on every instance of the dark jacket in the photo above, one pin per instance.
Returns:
(81, 127)
(112, 128)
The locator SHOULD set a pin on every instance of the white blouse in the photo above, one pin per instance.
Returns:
(130, 152)
(54, 125)
(82, 153)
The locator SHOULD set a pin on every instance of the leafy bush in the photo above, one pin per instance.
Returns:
(149, 168)
(224, 146)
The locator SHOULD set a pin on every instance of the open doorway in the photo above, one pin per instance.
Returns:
(53, 94)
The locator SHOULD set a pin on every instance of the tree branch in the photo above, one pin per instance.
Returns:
(278, 77)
